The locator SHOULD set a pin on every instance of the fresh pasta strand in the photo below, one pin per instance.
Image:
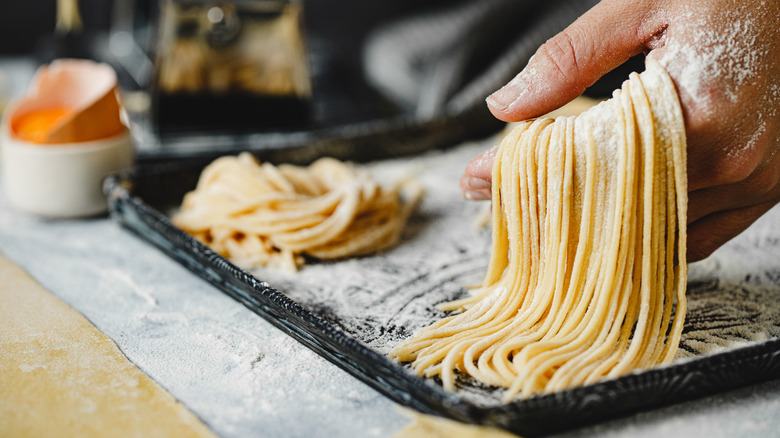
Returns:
(587, 273)
(263, 215)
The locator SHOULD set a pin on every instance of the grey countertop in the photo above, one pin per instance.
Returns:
(245, 378)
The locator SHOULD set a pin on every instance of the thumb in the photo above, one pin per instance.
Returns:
(600, 40)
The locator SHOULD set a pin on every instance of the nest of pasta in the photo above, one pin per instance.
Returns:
(257, 214)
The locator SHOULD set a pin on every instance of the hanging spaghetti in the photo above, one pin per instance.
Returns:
(587, 274)
(264, 215)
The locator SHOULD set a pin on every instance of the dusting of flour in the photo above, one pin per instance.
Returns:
(731, 57)
(733, 296)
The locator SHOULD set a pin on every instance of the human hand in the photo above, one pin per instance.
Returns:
(724, 57)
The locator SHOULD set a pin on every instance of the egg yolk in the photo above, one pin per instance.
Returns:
(35, 127)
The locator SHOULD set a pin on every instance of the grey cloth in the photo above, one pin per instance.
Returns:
(448, 61)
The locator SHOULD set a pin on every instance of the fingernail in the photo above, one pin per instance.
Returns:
(477, 189)
(509, 93)
(499, 100)
(506, 95)
(476, 195)
(478, 184)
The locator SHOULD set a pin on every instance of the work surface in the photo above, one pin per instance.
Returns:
(245, 378)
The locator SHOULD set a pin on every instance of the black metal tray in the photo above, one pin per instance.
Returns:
(139, 199)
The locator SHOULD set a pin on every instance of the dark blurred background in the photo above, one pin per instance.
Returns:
(24, 23)
(336, 31)
(437, 61)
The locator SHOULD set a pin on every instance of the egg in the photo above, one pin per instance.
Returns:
(62, 138)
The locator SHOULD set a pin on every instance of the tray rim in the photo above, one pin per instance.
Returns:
(663, 385)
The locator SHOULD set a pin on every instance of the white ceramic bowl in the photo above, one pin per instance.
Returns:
(61, 180)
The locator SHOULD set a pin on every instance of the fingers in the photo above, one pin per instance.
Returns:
(741, 176)
(763, 186)
(710, 232)
(733, 159)
(476, 180)
(600, 40)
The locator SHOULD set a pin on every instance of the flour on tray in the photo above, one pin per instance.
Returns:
(733, 296)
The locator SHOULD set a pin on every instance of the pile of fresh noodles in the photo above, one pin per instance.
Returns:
(264, 215)
(587, 274)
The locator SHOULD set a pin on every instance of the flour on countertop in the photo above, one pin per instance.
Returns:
(118, 275)
(241, 375)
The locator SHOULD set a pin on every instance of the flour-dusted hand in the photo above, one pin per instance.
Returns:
(724, 57)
